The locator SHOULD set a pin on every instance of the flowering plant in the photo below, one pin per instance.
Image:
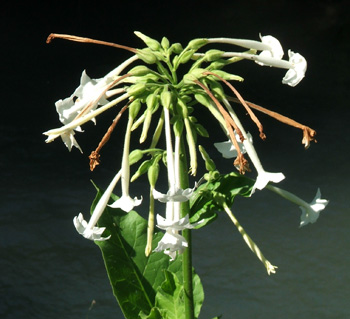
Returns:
(150, 271)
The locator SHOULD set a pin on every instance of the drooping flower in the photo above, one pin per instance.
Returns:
(295, 74)
(89, 230)
(228, 150)
(92, 233)
(175, 194)
(125, 202)
(311, 212)
(263, 177)
(172, 241)
(296, 65)
(180, 224)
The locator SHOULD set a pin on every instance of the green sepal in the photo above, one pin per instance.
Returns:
(226, 76)
(147, 56)
(139, 70)
(142, 169)
(135, 156)
(136, 89)
(213, 55)
(201, 130)
(197, 43)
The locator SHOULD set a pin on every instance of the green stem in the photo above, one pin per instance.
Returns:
(187, 255)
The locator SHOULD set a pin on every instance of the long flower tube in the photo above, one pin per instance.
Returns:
(263, 177)
(296, 65)
(253, 247)
(269, 45)
(89, 230)
(310, 211)
(125, 202)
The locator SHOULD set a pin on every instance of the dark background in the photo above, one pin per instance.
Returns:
(48, 271)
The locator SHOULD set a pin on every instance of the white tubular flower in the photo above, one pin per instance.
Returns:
(175, 194)
(89, 230)
(181, 224)
(297, 72)
(228, 150)
(263, 177)
(75, 124)
(269, 45)
(296, 65)
(69, 140)
(125, 202)
(311, 212)
(94, 233)
(171, 243)
(90, 91)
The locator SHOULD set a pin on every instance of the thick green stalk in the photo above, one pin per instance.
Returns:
(187, 255)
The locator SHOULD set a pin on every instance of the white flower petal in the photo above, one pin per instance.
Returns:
(93, 234)
(228, 150)
(180, 224)
(297, 72)
(171, 243)
(311, 212)
(69, 140)
(175, 194)
(264, 178)
(276, 50)
(126, 203)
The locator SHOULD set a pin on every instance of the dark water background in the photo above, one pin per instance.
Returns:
(49, 271)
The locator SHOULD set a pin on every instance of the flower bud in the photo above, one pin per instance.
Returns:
(184, 58)
(165, 98)
(139, 70)
(151, 43)
(136, 89)
(141, 170)
(165, 43)
(153, 173)
(176, 48)
(134, 108)
(147, 56)
(209, 163)
(227, 76)
(135, 156)
(178, 127)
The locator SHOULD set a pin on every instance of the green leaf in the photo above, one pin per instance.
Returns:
(134, 277)
(203, 205)
(170, 297)
(154, 314)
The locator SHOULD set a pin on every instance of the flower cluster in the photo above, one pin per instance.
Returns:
(158, 93)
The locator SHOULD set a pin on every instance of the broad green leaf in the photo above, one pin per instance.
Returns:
(170, 297)
(134, 277)
(154, 314)
(204, 207)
